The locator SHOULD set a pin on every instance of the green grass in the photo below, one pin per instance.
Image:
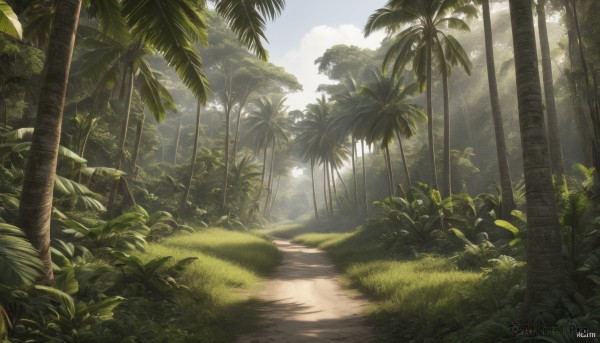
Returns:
(424, 298)
(229, 266)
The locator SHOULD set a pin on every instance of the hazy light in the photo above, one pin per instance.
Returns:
(297, 172)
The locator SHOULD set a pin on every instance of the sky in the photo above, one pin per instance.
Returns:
(307, 28)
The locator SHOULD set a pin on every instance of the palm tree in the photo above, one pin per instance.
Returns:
(422, 41)
(544, 255)
(171, 27)
(190, 176)
(269, 124)
(111, 58)
(318, 142)
(553, 131)
(508, 200)
(348, 104)
(38, 184)
(388, 115)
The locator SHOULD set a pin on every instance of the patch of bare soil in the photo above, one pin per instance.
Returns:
(305, 302)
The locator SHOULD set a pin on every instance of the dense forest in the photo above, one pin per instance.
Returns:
(148, 158)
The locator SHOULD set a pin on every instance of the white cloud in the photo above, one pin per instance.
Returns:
(300, 60)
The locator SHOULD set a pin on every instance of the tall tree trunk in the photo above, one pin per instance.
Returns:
(592, 102)
(447, 186)
(408, 180)
(35, 207)
(275, 194)
(262, 178)
(325, 187)
(237, 126)
(432, 166)
(236, 135)
(390, 171)
(556, 160)
(226, 158)
(122, 139)
(354, 154)
(335, 195)
(177, 137)
(270, 181)
(577, 87)
(364, 170)
(4, 117)
(329, 189)
(337, 171)
(312, 179)
(544, 255)
(138, 142)
(508, 199)
(83, 141)
(188, 185)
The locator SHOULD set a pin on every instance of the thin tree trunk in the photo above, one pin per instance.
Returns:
(343, 183)
(579, 110)
(544, 241)
(432, 166)
(337, 198)
(590, 94)
(354, 154)
(447, 186)
(275, 194)
(177, 136)
(312, 179)
(237, 133)
(325, 187)
(35, 207)
(508, 200)
(390, 171)
(237, 126)
(329, 189)
(4, 105)
(86, 137)
(262, 178)
(122, 139)
(364, 170)
(408, 180)
(270, 182)
(226, 158)
(556, 158)
(138, 142)
(188, 186)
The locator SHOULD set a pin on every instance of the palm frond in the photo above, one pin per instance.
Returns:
(108, 14)
(154, 95)
(79, 192)
(172, 27)
(247, 20)
(19, 261)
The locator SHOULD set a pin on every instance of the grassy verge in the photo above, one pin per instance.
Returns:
(214, 308)
(421, 299)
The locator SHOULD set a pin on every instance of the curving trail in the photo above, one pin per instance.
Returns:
(306, 302)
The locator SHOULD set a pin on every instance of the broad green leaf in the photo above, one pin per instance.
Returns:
(18, 134)
(9, 22)
(19, 261)
(507, 226)
(66, 301)
(62, 152)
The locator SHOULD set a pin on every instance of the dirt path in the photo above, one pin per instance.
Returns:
(306, 302)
